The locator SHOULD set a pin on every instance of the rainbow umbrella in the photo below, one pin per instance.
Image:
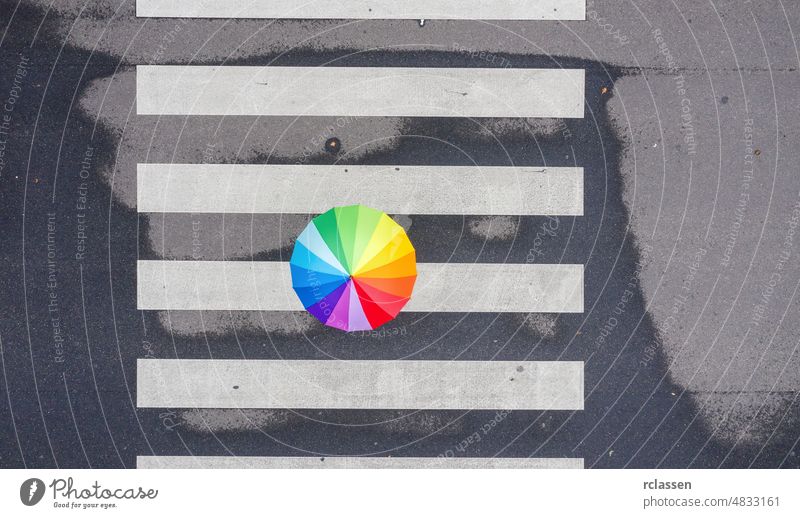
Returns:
(353, 268)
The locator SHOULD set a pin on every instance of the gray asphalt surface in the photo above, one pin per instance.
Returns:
(692, 196)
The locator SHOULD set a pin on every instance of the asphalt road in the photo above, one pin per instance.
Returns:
(689, 333)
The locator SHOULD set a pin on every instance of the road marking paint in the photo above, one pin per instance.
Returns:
(440, 287)
(281, 189)
(337, 384)
(367, 9)
(359, 91)
(219, 462)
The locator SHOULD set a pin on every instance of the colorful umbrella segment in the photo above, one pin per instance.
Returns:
(353, 268)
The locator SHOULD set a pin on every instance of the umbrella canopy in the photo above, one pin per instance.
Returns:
(353, 268)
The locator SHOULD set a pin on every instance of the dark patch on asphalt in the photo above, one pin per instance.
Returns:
(81, 411)
(333, 146)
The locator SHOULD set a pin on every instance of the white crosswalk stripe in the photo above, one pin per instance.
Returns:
(433, 385)
(206, 462)
(367, 9)
(359, 91)
(282, 189)
(325, 384)
(440, 287)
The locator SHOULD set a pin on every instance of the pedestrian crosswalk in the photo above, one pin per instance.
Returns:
(359, 91)
(440, 287)
(433, 190)
(303, 189)
(218, 462)
(367, 9)
(325, 384)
